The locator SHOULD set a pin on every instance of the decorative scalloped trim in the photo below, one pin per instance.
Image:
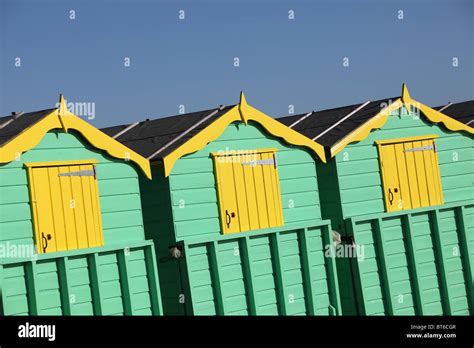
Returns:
(31, 137)
(241, 112)
(381, 118)
(363, 131)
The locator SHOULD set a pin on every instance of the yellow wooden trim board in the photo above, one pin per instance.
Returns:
(60, 163)
(61, 118)
(403, 140)
(381, 118)
(241, 113)
(242, 152)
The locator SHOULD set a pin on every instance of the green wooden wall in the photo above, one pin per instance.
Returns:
(275, 271)
(353, 183)
(415, 263)
(358, 173)
(192, 182)
(122, 222)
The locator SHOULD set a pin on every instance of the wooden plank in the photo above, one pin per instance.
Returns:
(93, 265)
(413, 265)
(354, 262)
(307, 274)
(216, 277)
(186, 279)
(247, 264)
(467, 253)
(122, 260)
(384, 272)
(2, 313)
(441, 262)
(153, 280)
(31, 286)
(64, 285)
(333, 282)
(279, 273)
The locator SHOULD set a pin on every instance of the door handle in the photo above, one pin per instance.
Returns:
(228, 217)
(44, 240)
(390, 194)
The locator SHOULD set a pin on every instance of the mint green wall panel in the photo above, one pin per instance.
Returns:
(119, 278)
(417, 262)
(277, 273)
(192, 182)
(84, 283)
(358, 170)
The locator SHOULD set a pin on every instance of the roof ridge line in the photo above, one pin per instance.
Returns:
(360, 107)
(301, 119)
(14, 118)
(221, 107)
(123, 131)
(445, 107)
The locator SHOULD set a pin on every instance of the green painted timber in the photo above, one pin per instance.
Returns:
(415, 262)
(359, 183)
(86, 282)
(120, 277)
(350, 189)
(290, 274)
(275, 271)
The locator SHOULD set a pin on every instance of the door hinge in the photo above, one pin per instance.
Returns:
(422, 148)
(269, 161)
(80, 173)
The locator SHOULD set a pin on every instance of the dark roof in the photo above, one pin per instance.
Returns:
(149, 136)
(463, 112)
(19, 124)
(320, 121)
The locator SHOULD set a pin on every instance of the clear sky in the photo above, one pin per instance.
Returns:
(190, 61)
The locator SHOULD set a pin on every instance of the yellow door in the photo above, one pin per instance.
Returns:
(65, 204)
(410, 173)
(248, 188)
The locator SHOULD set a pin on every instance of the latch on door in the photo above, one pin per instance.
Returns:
(390, 194)
(229, 217)
(44, 240)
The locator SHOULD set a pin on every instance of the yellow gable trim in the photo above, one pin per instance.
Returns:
(381, 118)
(63, 119)
(376, 122)
(241, 112)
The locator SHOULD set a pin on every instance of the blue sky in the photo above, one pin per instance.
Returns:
(190, 62)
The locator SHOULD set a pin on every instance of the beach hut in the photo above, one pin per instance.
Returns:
(234, 211)
(398, 187)
(71, 229)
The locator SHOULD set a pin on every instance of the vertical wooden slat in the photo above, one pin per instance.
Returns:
(333, 282)
(65, 289)
(187, 283)
(413, 264)
(94, 274)
(384, 271)
(307, 275)
(1, 292)
(356, 274)
(31, 286)
(279, 273)
(247, 263)
(441, 261)
(153, 280)
(467, 253)
(216, 278)
(122, 259)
